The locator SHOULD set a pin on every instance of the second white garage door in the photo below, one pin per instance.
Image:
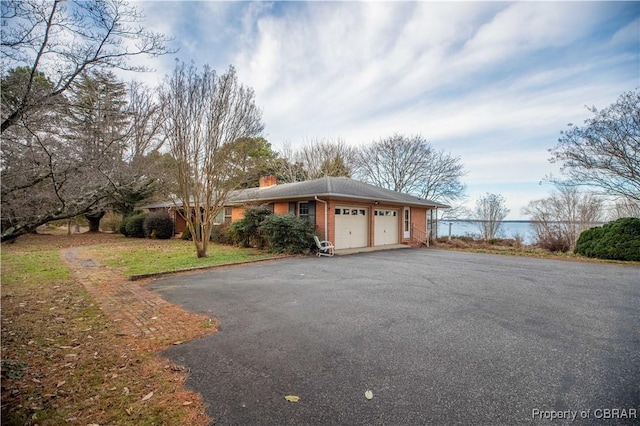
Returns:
(386, 227)
(352, 227)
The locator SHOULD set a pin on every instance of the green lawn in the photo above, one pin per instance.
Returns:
(144, 256)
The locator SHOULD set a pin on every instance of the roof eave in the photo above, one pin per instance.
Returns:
(338, 195)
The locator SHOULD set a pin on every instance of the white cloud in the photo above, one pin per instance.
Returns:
(492, 82)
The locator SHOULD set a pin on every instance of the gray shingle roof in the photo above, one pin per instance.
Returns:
(335, 187)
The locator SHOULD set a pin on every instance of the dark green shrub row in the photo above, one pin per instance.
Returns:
(140, 225)
(619, 240)
(261, 228)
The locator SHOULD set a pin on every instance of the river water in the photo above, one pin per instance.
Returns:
(468, 228)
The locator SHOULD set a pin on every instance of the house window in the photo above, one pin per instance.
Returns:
(303, 210)
(219, 217)
(346, 211)
(338, 211)
(227, 214)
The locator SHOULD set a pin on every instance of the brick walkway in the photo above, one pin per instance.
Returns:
(137, 311)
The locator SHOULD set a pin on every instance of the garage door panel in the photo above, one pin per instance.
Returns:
(385, 227)
(351, 227)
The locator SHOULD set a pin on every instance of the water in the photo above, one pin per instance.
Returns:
(467, 228)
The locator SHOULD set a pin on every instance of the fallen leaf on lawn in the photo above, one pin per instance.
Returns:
(187, 403)
(292, 398)
(61, 383)
(129, 410)
(368, 394)
(125, 390)
(147, 396)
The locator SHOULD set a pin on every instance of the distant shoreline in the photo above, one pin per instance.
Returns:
(509, 221)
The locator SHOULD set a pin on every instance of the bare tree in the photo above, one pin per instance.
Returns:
(624, 207)
(316, 158)
(62, 40)
(288, 169)
(325, 157)
(96, 130)
(203, 114)
(144, 173)
(489, 213)
(44, 177)
(81, 155)
(559, 219)
(411, 165)
(605, 152)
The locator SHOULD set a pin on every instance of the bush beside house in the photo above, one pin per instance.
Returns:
(617, 240)
(261, 228)
(133, 226)
(247, 232)
(158, 225)
(288, 233)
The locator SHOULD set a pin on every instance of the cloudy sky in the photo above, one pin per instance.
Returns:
(493, 83)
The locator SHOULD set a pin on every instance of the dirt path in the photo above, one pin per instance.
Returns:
(137, 311)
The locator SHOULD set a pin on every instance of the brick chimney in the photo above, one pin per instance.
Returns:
(269, 180)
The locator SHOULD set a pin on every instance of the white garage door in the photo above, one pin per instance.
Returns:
(352, 225)
(385, 227)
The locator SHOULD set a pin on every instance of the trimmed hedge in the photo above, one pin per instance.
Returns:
(619, 240)
(158, 225)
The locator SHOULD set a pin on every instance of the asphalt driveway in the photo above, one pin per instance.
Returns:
(439, 337)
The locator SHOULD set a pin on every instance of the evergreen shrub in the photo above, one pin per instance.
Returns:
(158, 225)
(287, 233)
(618, 240)
(135, 226)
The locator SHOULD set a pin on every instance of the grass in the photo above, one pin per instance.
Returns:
(140, 256)
(64, 362)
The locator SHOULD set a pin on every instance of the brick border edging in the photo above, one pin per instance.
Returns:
(139, 277)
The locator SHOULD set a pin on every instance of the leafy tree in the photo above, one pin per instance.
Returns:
(65, 40)
(605, 152)
(253, 158)
(203, 112)
(490, 211)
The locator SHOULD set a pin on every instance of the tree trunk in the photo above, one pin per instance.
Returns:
(201, 249)
(94, 220)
